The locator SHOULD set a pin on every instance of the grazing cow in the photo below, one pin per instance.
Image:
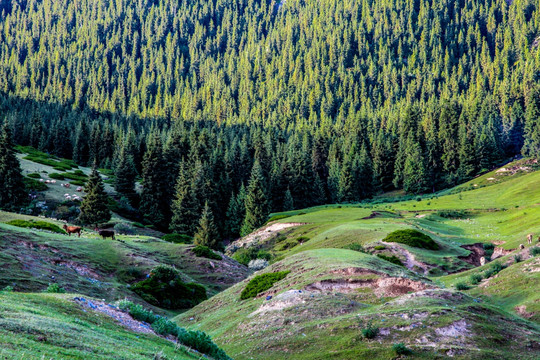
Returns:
(482, 261)
(80, 188)
(521, 246)
(106, 233)
(67, 185)
(529, 238)
(72, 230)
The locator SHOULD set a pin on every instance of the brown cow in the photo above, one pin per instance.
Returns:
(106, 233)
(529, 238)
(72, 230)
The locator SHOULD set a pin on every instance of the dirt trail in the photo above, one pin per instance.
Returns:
(261, 234)
(410, 260)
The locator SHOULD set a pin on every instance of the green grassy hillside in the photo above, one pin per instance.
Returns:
(30, 260)
(52, 326)
(332, 293)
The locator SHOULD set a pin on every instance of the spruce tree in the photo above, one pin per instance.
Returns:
(184, 206)
(288, 202)
(236, 212)
(207, 234)
(124, 182)
(94, 209)
(256, 201)
(531, 146)
(12, 191)
(153, 200)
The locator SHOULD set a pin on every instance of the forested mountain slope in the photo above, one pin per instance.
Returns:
(336, 100)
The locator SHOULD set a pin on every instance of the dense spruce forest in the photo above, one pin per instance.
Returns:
(240, 108)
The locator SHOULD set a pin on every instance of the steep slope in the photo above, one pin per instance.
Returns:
(31, 259)
(52, 326)
(319, 309)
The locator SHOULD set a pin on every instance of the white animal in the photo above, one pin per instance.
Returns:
(80, 188)
(41, 180)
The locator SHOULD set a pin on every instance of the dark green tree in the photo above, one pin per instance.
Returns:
(207, 234)
(256, 201)
(153, 205)
(94, 209)
(125, 173)
(12, 191)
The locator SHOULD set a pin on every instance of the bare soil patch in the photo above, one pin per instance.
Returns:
(477, 251)
(262, 234)
(80, 269)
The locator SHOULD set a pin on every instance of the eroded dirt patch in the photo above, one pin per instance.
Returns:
(262, 234)
(499, 252)
(80, 269)
(477, 252)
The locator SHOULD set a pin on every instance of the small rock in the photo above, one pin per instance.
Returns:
(268, 297)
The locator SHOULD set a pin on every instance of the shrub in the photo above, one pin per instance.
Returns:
(287, 245)
(197, 340)
(462, 286)
(34, 175)
(452, 214)
(56, 176)
(517, 258)
(412, 238)
(262, 283)
(164, 288)
(302, 239)
(34, 185)
(7, 289)
(125, 229)
(391, 258)
(130, 274)
(475, 279)
(534, 251)
(245, 255)
(401, 349)
(258, 264)
(488, 248)
(205, 251)
(280, 237)
(356, 247)
(176, 238)
(55, 288)
(41, 225)
(380, 247)
(78, 182)
(370, 331)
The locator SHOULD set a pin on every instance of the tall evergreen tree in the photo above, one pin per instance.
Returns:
(184, 206)
(256, 201)
(124, 182)
(94, 209)
(12, 191)
(206, 234)
(236, 212)
(153, 195)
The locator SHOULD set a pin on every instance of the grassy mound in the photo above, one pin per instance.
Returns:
(205, 251)
(412, 238)
(39, 224)
(164, 288)
(262, 283)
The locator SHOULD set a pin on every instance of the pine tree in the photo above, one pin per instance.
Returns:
(12, 191)
(94, 209)
(531, 146)
(236, 212)
(288, 203)
(206, 234)
(256, 201)
(153, 200)
(415, 179)
(124, 182)
(184, 206)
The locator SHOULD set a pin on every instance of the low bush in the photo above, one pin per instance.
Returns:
(452, 214)
(379, 247)
(206, 252)
(370, 331)
(356, 247)
(412, 238)
(494, 270)
(176, 238)
(261, 283)
(7, 289)
(245, 255)
(130, 274)
(164, 288)
(41, 225)
(34, 175)
(78, 182)
(302, 239)
(391, 258)
(279, 238)
(286, 245)
(517, 258)
(197, 340)
(534, 251)
(124, 229)
(401, 349)
(462, 286)
(488, 249)
(56, 176)
(55, 288)
(475, 279)
(34, 185)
